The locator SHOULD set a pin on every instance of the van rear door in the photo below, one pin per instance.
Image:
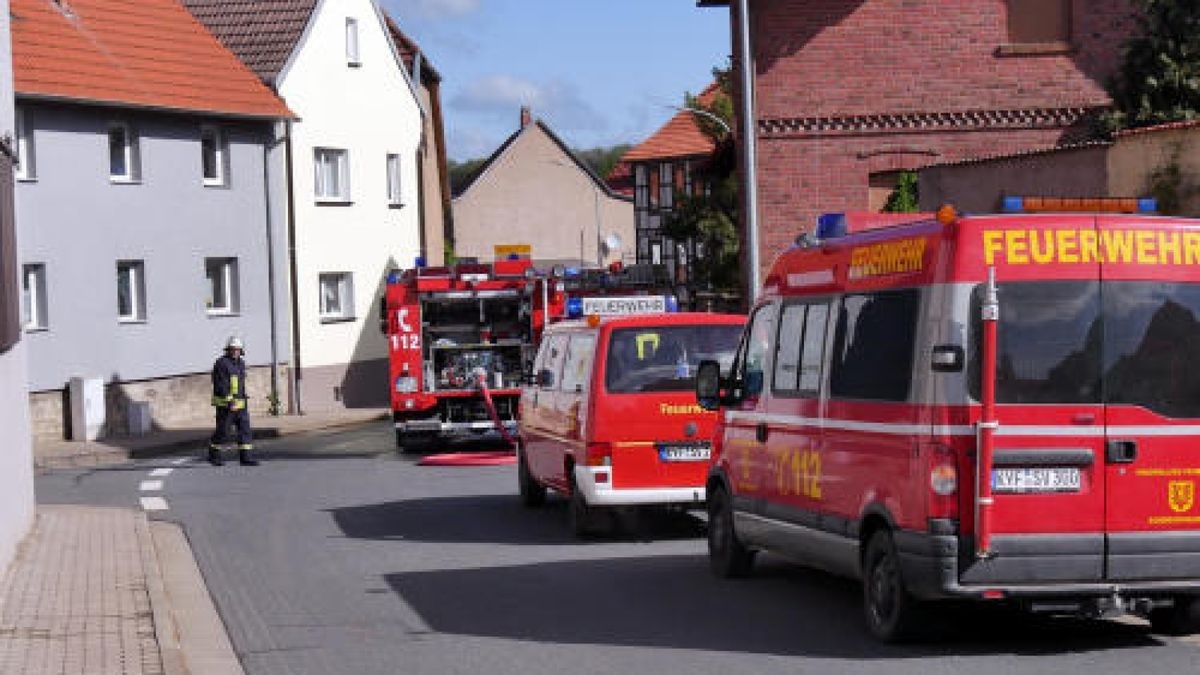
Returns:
(1151, 383)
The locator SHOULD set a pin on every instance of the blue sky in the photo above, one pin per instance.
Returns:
(598, 72)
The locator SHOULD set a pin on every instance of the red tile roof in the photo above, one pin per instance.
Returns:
(1165, 126)
(408, 52)
(263, 33)
(144, 53)
(679, 137)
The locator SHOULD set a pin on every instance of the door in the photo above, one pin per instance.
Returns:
(746, 428)
(540, 415)
(1151, 310)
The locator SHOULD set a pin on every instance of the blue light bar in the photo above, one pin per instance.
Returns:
(420, 261)
(571, 272)
(574, 307)
(1012, 204)
(831, 225)
(672, 303)
(393, 277)
(1147, 205)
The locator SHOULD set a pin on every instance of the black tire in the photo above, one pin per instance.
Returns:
(414, 441)
(892, 614)
(580, 516)
(1181, 618)
(727, 556)
(532, 493)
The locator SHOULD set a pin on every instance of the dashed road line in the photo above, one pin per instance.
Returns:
(159, 473)
(181, 460)
(154, 504)
(151, 485)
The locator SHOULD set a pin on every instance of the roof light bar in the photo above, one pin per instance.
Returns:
(1145, 205)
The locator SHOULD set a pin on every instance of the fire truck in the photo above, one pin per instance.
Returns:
(995, 408)
(462, 338)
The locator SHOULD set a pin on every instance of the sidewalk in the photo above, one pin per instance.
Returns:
(67, 454)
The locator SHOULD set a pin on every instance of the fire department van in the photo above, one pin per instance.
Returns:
(611, 420)
(994, 408)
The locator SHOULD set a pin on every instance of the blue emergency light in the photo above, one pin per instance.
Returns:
(419, 262)
(1143, 205)
(393, 277)
(672, 303)
(831, 225)
(574, 307)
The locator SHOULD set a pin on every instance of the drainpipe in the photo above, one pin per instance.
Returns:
(750, 153)
(267, 148)
(294, 376)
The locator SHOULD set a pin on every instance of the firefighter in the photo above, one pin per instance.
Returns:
(229, 399)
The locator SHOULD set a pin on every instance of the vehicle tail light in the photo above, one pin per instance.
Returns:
(406, 385)
(943, 481)
(599, 454)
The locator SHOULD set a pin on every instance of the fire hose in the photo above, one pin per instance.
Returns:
(491, 409)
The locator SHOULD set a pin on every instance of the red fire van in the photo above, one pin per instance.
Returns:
(611, 418)
(893, 415)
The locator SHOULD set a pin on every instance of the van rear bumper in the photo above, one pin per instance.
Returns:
(1039, 566)
(603, 494)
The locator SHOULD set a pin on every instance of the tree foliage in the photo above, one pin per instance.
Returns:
(461, 172)
(602, 159)
(905, 198)
(1159, 80)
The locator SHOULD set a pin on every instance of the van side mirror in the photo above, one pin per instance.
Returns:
(545, 378)
(708, 385)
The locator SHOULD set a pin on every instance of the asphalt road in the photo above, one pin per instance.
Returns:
(338, 555)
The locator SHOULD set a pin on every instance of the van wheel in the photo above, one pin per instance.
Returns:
(1182, 618)
(892, 614)
(727, 557)
(581, 517)
(532, 493)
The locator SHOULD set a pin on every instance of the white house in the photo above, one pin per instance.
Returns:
(354, 151)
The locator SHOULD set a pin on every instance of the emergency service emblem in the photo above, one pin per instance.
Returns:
(1181, 495)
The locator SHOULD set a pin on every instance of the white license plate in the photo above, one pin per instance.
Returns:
(694, 452)
(1035, 480)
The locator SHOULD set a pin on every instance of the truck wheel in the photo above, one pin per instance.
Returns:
(1182, 618)
(727, 557)
(892, 614)
(408, 442)
(532, 493)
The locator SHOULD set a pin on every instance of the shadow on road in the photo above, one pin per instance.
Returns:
(673, 602)
(496, 519)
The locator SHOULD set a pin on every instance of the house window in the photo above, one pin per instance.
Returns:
(131, 291)
(1044, 22)
(25, 156)
(33, 297)
(653, 190)
(332, 175)
(337, 296)
(352, 42)
(223, 295)
(641, 188)
(123, 160)
(393, 180)
(213, 155)
(666, 185)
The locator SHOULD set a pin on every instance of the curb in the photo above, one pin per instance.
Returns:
(166, 632)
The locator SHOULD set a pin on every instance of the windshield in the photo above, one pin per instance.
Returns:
(1115, 342)
(664, 358)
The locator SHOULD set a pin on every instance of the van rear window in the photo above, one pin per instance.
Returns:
(1114, 342)
(664, 358)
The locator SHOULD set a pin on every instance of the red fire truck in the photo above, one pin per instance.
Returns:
(995, 408)
(462, 338)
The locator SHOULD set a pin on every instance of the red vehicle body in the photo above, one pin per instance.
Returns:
(850, 423)
(461, 338)
(612, 421)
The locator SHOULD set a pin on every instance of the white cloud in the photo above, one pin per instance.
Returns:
(559, 103)
(443, 9)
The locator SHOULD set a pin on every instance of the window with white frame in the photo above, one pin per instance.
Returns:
(395, 197)
(26, 162)
(33, 297)
(332, 179)
(352, 57)
(222, 276)
(123, 160)
(213, 155)
(131, 290)
(337, 296)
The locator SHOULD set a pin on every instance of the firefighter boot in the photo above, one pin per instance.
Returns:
(214, 456)
(245, 459)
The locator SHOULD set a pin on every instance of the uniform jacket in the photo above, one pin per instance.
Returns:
(229, 383)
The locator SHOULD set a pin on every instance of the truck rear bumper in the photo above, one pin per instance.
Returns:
(452, 428)
(603, 494)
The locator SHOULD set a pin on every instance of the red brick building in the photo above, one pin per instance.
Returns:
(849, 92)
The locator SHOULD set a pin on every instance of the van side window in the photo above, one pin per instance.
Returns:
(873, 346)
(752, 356)
(800, 348)
(551, 363)
(812, 349)
(578, 365)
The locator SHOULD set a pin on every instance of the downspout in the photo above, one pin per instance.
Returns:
(750, 153)
(267, 148)
(294, 375)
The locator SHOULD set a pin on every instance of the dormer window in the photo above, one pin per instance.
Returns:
(352, 58)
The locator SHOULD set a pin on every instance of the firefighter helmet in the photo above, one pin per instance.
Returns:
(234, 342)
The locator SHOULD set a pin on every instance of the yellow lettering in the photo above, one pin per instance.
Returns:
(991, 244)
(918, 254)
(1066, 245)
(1145, 247)
(1041, 255)
(1014, 241)
(1168, 243)
(1118, 246)
(1088, 249)
(1191, 248)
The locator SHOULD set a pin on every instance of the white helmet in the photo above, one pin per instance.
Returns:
(234, 342)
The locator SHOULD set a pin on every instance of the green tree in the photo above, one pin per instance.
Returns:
(905, 198)
(462, 172)
(602, 159)
(1159, 80)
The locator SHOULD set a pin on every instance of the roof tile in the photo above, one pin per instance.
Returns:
(262, 33)
(679, 137)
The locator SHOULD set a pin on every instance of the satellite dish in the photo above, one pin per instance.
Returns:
(612, 243)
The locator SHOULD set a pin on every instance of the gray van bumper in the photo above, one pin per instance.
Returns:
(1141, 564)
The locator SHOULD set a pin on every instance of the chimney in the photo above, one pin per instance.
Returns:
(526, 116)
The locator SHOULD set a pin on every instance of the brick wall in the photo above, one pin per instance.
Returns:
(847, 88)
(183, 401)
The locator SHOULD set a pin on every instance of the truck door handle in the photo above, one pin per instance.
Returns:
(1120, 452)
(760, 432)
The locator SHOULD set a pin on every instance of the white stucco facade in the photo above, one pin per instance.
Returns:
(369, 110)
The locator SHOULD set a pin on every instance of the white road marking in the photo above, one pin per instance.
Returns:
(154, 504)
(150, 485)
(161, 472)
(181, 460)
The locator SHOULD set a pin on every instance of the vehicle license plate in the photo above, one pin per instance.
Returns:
(1035, 480)
(684, 452)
